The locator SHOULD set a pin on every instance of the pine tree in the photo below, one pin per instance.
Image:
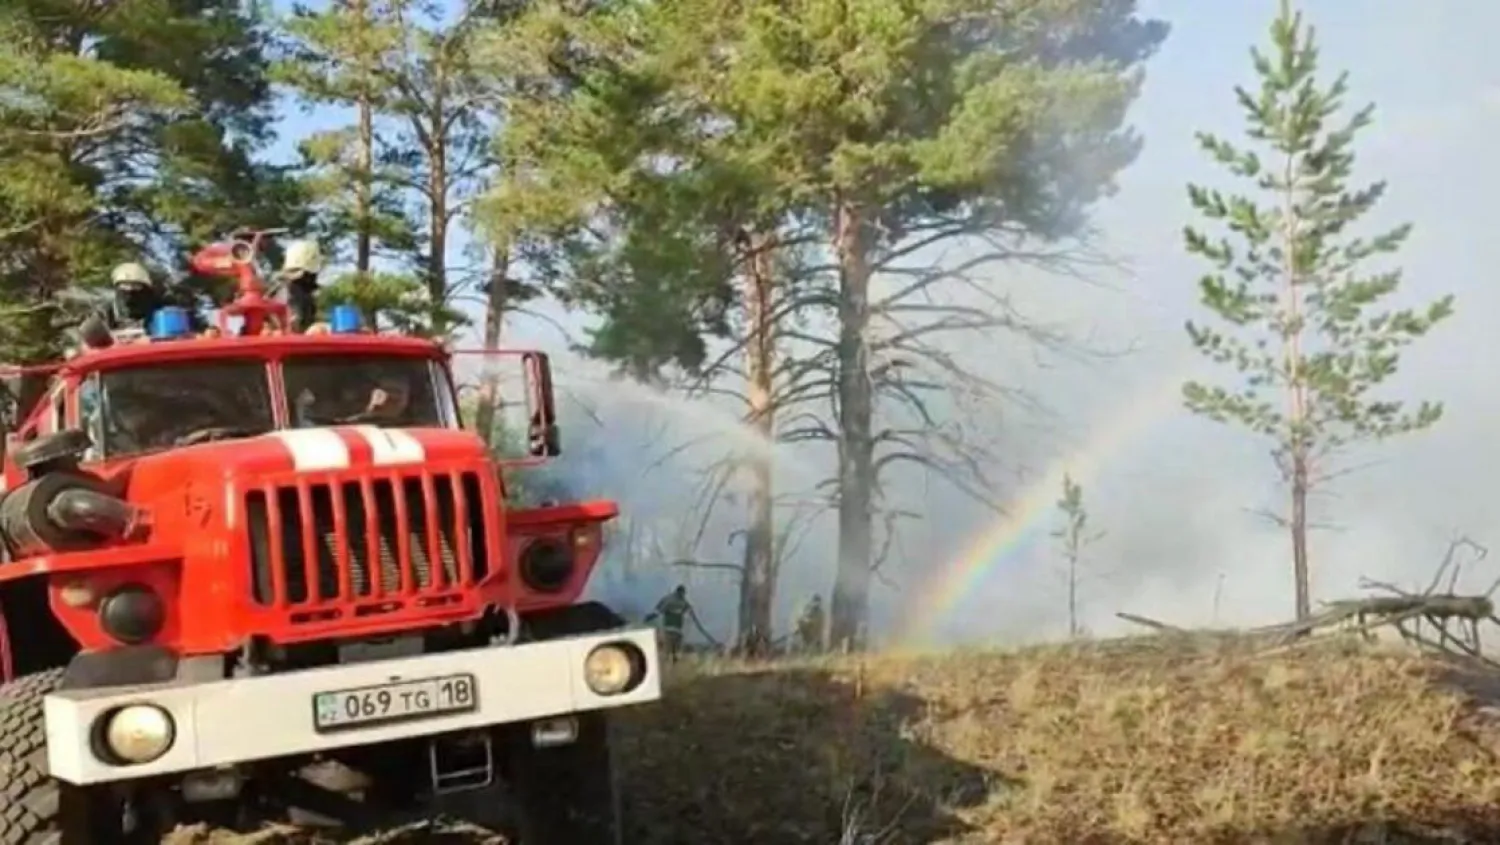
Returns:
(403, 174)
(661, 232)
(333, 57)
(127, 132)
(1074, 535)
(867, 133)
(1297, 298)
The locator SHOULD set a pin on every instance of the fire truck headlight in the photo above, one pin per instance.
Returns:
(614, 669)
(138, 733)
(132, 614)
(547, 566)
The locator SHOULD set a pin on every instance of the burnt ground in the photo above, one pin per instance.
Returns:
(1117, 743)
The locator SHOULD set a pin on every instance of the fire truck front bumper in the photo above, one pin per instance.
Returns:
(125, 733)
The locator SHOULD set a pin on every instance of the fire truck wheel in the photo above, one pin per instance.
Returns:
(31, 803)
(567, 794)
(28, 797)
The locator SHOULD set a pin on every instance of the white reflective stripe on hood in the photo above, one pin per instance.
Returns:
(391, 446)
(315, 448)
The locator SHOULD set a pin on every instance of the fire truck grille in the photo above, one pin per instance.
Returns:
(400, 540)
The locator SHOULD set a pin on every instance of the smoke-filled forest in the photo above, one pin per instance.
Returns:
(848, 303)
(966, 322)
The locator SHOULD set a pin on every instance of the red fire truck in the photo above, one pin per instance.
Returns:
(238, 560)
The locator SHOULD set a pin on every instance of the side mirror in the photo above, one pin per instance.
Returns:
(542, 436)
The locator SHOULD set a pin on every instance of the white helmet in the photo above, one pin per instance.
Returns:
(302, 257)
(130, 274)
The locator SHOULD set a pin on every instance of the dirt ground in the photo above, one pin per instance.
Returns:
(1113, 743)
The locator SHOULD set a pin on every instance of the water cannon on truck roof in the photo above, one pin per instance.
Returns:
(232, 559)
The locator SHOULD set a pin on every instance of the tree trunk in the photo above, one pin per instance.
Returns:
(494, 324)
(758, 584)
(1073, 592)
(1298, 440)
(364, 166)
(437, 229)
(1299, 535)
(856, 475)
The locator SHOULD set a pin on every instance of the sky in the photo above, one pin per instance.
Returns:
(1174, 496)
(1173, 500)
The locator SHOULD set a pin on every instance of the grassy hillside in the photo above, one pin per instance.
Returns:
(1114, 743)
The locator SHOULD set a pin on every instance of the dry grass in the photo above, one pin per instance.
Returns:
(1112, 743)
(1133, 742)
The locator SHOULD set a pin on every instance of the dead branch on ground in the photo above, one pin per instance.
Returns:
(1436, 618)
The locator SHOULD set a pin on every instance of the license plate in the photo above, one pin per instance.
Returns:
(399, 701)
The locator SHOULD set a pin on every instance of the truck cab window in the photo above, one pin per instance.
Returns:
(447, 401)
(89, 417)
(386, 390)
(142, 409)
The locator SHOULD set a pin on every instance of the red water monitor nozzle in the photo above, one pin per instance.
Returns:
(235, 258)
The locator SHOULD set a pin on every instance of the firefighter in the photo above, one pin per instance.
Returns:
(810, 626)
(674, 609)
(136, 297)
(388, 402)
(136, 425)
(299, 274)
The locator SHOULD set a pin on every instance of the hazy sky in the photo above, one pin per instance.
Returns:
(1174, 496)
(1173, 500)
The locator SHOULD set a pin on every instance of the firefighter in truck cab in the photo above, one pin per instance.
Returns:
(299, 279)
(237, 560)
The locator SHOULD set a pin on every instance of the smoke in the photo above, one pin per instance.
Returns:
(1179, 501)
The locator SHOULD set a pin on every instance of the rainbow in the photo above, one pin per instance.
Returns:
(1031, 512)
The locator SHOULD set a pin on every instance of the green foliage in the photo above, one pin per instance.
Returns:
(654, 136)
(127, 132)
(662, 142)
(333, 58)
(329, 174)
(1070, 505)
(403, 174)
(1299, 304)
(1074, 536)
(627, 214)
(397, 301)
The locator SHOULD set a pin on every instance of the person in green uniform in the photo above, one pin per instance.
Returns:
(810, 627)
(673, 609)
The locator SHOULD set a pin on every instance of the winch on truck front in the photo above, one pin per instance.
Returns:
(263, 570)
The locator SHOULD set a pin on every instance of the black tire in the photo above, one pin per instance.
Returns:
(29, 799)
(35, 809)
(568, 794)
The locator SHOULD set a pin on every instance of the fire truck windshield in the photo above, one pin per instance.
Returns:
(386, 390)
(143, 409)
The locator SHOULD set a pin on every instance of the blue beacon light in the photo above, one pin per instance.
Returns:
(170, 324)
(344, 319)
